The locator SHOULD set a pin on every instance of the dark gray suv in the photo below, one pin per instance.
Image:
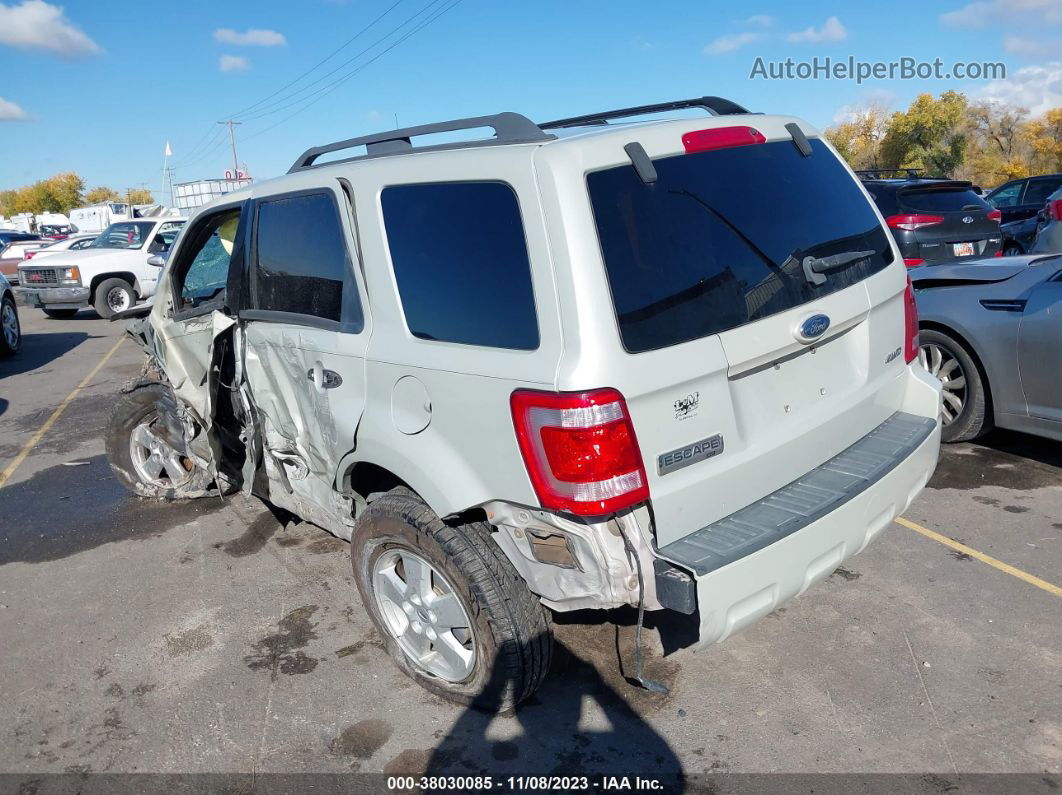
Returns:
(935, 221)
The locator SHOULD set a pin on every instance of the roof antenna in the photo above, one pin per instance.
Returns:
(641, 162)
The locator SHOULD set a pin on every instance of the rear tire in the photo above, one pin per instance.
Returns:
(10, 328)
(113, 296)
(965, 396)
(60, 314)
(509, 632)
(1012, 250)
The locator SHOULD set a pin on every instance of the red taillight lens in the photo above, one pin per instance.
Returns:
(912, 221)
(910, 320)
(580, 450)
(721, 138)
(995, 215)
(998, 253)
(1054, 210)
(913, 262)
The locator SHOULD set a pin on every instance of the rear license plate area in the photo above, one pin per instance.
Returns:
(963, 249)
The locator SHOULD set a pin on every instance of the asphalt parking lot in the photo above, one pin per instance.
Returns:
(206, 636)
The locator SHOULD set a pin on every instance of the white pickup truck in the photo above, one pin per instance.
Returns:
(111, 274)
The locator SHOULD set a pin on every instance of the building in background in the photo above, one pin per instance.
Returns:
(188, 196)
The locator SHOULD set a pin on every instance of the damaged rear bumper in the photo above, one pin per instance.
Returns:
(747, 564)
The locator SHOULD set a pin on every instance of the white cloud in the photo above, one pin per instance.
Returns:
(34, 24)
(877, 99)
(1031, 48)
(761, 20)
(233, 63)
(9, 111)
(731, 42)
(374, 115)
(1038, 88)
(982, 13)
(252, 37)
(831, 30)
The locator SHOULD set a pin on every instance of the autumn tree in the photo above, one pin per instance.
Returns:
(139, 196)
(1044, 137)
(858, 139)
(997, 150)
(57, 194)
(102, 194)
(931, 134)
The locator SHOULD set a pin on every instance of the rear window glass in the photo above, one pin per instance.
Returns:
(461, 264)
(941, 199)
(719, 239)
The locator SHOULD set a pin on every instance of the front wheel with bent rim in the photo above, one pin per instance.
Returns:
(142, 456)
(964, 401)
(10, 328)
(113, 296)
(455, 615)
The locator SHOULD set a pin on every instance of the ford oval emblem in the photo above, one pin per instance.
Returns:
(813, 328)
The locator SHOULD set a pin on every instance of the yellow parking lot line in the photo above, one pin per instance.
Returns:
(1043, 585)
(48, 423)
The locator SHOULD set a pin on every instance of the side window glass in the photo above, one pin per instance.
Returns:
(1006, 196)
(302, 264)
(1039, 190)
(460, 261)
(205, 277)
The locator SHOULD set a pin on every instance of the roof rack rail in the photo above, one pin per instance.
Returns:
(509, 128)
(876, 173)
(717, 106)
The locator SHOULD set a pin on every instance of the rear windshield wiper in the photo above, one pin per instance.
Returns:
(815, 267)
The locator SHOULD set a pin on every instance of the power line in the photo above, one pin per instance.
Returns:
(324, 60)
(275, 107)
(355, 71)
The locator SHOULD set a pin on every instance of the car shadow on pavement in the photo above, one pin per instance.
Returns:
(39, 349)
(576, 725)
(1038, 448)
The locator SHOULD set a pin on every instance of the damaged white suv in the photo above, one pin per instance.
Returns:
(582, 364)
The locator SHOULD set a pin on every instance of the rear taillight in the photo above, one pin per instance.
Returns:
(995, 215)
(1054, 210)
(910, 321)
(721, 138)
(913, 262)
(912, 221)
(580, 450)
(998, 253)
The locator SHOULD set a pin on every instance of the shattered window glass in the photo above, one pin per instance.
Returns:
(207, 274)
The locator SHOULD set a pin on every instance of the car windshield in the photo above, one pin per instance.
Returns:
(128, 234)
(720, 239)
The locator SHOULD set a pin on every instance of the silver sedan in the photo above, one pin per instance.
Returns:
(991, 331)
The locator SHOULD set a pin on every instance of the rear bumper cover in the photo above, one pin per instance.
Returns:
(750, 562)
(66, 297)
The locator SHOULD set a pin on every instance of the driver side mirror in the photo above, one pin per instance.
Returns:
(157, 260)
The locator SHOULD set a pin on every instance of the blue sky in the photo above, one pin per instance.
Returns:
(99, 87)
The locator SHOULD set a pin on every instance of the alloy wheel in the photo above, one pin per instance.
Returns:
(423, 613)
(155, 460)
(9, 322)
(940, 362)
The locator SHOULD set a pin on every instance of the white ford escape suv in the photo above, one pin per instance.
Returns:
(589, 363)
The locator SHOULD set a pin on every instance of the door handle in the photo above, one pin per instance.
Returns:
(324, 379)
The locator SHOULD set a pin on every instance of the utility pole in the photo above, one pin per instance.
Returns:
(232, 139)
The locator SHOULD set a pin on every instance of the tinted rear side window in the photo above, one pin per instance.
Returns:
(302, 262)
(941, 199)
(718, 240)
(460, 261)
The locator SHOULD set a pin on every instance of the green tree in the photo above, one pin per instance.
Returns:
(102, 194)
(931, 134)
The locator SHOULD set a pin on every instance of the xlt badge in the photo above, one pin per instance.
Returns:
(690, 454)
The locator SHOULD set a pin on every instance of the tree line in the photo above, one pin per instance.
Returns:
(950, 136)
(63, 192)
